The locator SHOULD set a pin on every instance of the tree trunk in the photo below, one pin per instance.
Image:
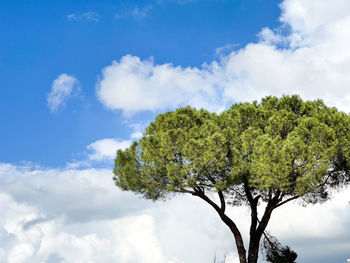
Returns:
(253, 252)
(228, 221)
(238, 238)
(256, 230)
(236, 233)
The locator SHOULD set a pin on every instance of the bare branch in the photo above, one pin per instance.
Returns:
(286, 201)
(222, 201)
(229, 222)
(271, 205)
(183, 190)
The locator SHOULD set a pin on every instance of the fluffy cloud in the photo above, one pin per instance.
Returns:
(63, 87)
(70, 215)
(134, 85)
(106, 149)
(307, 55)
(308, 16)
(75, 195)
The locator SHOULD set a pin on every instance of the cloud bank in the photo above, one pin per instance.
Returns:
(78, 215)
(307, 55)
(63, 87)
(71, 215)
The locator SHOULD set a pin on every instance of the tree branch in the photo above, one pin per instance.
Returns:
(271, 205)
(222, 201)
(253, 206)
(248, 194)
(286, 201)
(183, 190)
(228, 221)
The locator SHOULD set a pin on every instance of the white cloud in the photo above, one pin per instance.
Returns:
(137, 130)
(70, 215)
(103, 151)
(308, 16)
(134, 85)
(312, 60)
(88, 16)
(227, 49)
(63, 87)
(106, 149)
(74, 215)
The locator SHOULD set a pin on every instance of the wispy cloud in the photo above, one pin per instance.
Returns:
(141, 12)
(63, 87)
(88, 16)
(136, 12)
(225, 50)
(184, 2)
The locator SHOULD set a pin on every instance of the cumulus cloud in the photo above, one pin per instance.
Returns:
(88, 16)
(307, 55)
(72, 215)
(63, 87)
(103, 151)
(75, 195)
(106, 149)
(134, 85)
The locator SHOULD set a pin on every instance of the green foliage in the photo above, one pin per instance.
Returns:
(275, 252)
(280, 144)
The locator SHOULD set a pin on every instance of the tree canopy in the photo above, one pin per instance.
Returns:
(274, 151)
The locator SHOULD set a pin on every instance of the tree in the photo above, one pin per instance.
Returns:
(268, 153)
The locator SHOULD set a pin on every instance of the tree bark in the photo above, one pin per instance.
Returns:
(254, 241)
(238, 238)
(255, 235)
(256, 230)
(253, 252)
(228, 221)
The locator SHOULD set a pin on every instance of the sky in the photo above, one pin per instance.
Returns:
(81, 79)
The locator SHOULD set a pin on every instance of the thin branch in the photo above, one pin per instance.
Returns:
(287, 200)
(222, 201)
(271, 205)
(248, 194)
(228, 221)
(183, 190)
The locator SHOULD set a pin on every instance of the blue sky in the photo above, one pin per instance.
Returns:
(81, 79)
(41, 42)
